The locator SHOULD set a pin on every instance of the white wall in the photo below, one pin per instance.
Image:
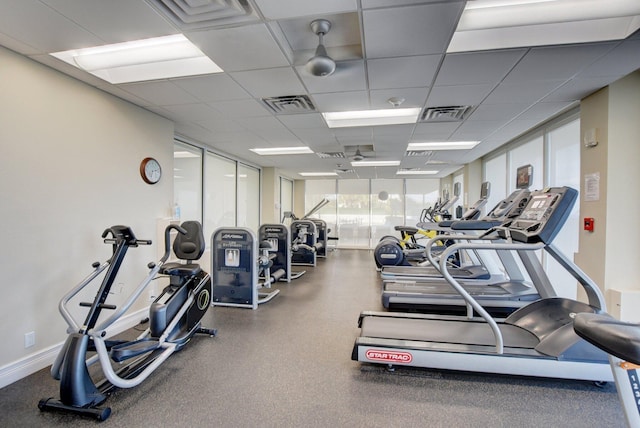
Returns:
(69, 168)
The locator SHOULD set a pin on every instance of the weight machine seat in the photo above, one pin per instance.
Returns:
(189, 247)
(407, 229)
(618, 338)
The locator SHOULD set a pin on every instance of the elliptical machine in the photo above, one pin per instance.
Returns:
(174, 318)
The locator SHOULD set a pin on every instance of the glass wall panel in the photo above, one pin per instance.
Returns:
(248, 197)
(353, 213)
(420, 194)
(564, 170)
(315, 191)
(495, 172)
(286, 198)
(530, 153)
(463, 199)
(387, 208)
(220, 193)
(187, 182)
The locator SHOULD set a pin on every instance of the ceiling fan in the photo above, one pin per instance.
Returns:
(358, 155)
(321, 64)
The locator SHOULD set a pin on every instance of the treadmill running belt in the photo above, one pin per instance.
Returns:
(440, 331)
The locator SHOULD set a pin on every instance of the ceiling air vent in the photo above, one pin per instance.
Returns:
(290, 104)
(418, 153)
(326, 155)
(345, 171)
(200, 14)
(444, 114)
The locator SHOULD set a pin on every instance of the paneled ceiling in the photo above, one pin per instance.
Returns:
(384, 49)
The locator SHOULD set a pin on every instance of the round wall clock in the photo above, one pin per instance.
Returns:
(150, 170)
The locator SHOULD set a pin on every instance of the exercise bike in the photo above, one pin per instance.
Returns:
(174, 318)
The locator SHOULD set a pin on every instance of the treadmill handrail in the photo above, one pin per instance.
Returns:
(427, 248)
(468, 297)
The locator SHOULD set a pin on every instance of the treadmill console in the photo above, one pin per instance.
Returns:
(543, 217)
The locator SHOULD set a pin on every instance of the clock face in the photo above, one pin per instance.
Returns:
(150, 170)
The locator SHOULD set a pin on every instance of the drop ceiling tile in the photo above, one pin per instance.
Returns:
(316, 136)
(303, 121)
(555, 63)
(542, 111)
(577, 89)
(349, 76)
(529, 92)
(163, 93)
(221, 126)
(411, 30)
(270, 82)
(214, 87)
(114, 21)
(458, 95)
(476, 130)
(503, 112)
(282, 9)
(42, 28)
(240, 108)
(477, 67)
(191, 112)
(513, 129)
(258, 124)
(400, 131)
(345, 31)
(341, 101)
(240, 48)
(413, 97)
(434, 131)
(370, 4)
(402, 72)
(622, 60)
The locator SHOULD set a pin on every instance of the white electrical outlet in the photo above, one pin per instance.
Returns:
(29, 339)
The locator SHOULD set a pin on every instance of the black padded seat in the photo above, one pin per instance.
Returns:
(189, 246)
(178, 269)
(407, 229)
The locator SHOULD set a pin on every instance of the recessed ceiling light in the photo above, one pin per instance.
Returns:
(375, 163)
(269, 151)
(415, 172)
(142, 60)
(394, 116)
(500, 24)
(445, 145)
(318, 174)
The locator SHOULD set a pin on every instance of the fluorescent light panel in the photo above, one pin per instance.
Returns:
(141, 60)
(375, 163)
(445, 145)
(415, 172)
(270, 151)
(318, 174)
(397, 116)
(499, 24)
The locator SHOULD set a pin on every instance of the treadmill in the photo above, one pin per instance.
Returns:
(501, 290)
(536, 340)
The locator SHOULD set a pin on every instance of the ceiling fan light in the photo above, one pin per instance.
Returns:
(321, 64)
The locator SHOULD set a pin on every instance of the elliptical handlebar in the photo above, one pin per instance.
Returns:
(123, 234)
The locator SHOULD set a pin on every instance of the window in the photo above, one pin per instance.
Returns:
(220, 193)
(420, 194)
(187, 182)
(248, 182)
(286, 197)
(353, 213)
(387, 208)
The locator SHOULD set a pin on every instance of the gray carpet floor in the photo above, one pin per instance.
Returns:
(288, 364)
